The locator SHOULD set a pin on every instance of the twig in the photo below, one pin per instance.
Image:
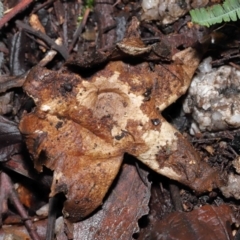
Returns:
(7, 183)
(103, 10)
(8, 82)
(175, 196)
(79, 29)
(140, 175)
(49, 55)
(43, 5)
(18, 8)
(61, 49)
(65, 25)
(235, 65)
(53, 202)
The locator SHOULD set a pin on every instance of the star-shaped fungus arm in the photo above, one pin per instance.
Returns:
(81, 128)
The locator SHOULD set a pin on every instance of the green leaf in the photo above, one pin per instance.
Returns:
(228, 11)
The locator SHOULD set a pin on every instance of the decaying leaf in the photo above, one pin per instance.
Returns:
(81, 128)
(207, 222)
(118, 218)
(10, 141)
(9, 132)
(132, 44)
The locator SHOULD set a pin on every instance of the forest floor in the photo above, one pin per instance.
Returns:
(80, 38)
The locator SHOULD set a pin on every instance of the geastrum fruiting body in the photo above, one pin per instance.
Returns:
(81, 128)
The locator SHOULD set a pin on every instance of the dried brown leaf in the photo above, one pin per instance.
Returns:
(207, 222)
(118, 218)
(10, 140)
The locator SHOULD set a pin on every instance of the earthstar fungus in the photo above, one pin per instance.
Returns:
(81, 128)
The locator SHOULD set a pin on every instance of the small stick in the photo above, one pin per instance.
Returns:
(49, 55)
(18, 8)
(52, 214)
(43, 5)
(175, 196)
(235, 65)
(6, 181)
(140, 175)
(61, 49)
(8, 82)
(79, 29)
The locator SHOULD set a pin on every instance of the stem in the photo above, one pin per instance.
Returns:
(18, 8)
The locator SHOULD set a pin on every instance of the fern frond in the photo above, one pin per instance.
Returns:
(228, 11)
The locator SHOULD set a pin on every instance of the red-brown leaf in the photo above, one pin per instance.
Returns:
(207, 222)
(118, 218)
